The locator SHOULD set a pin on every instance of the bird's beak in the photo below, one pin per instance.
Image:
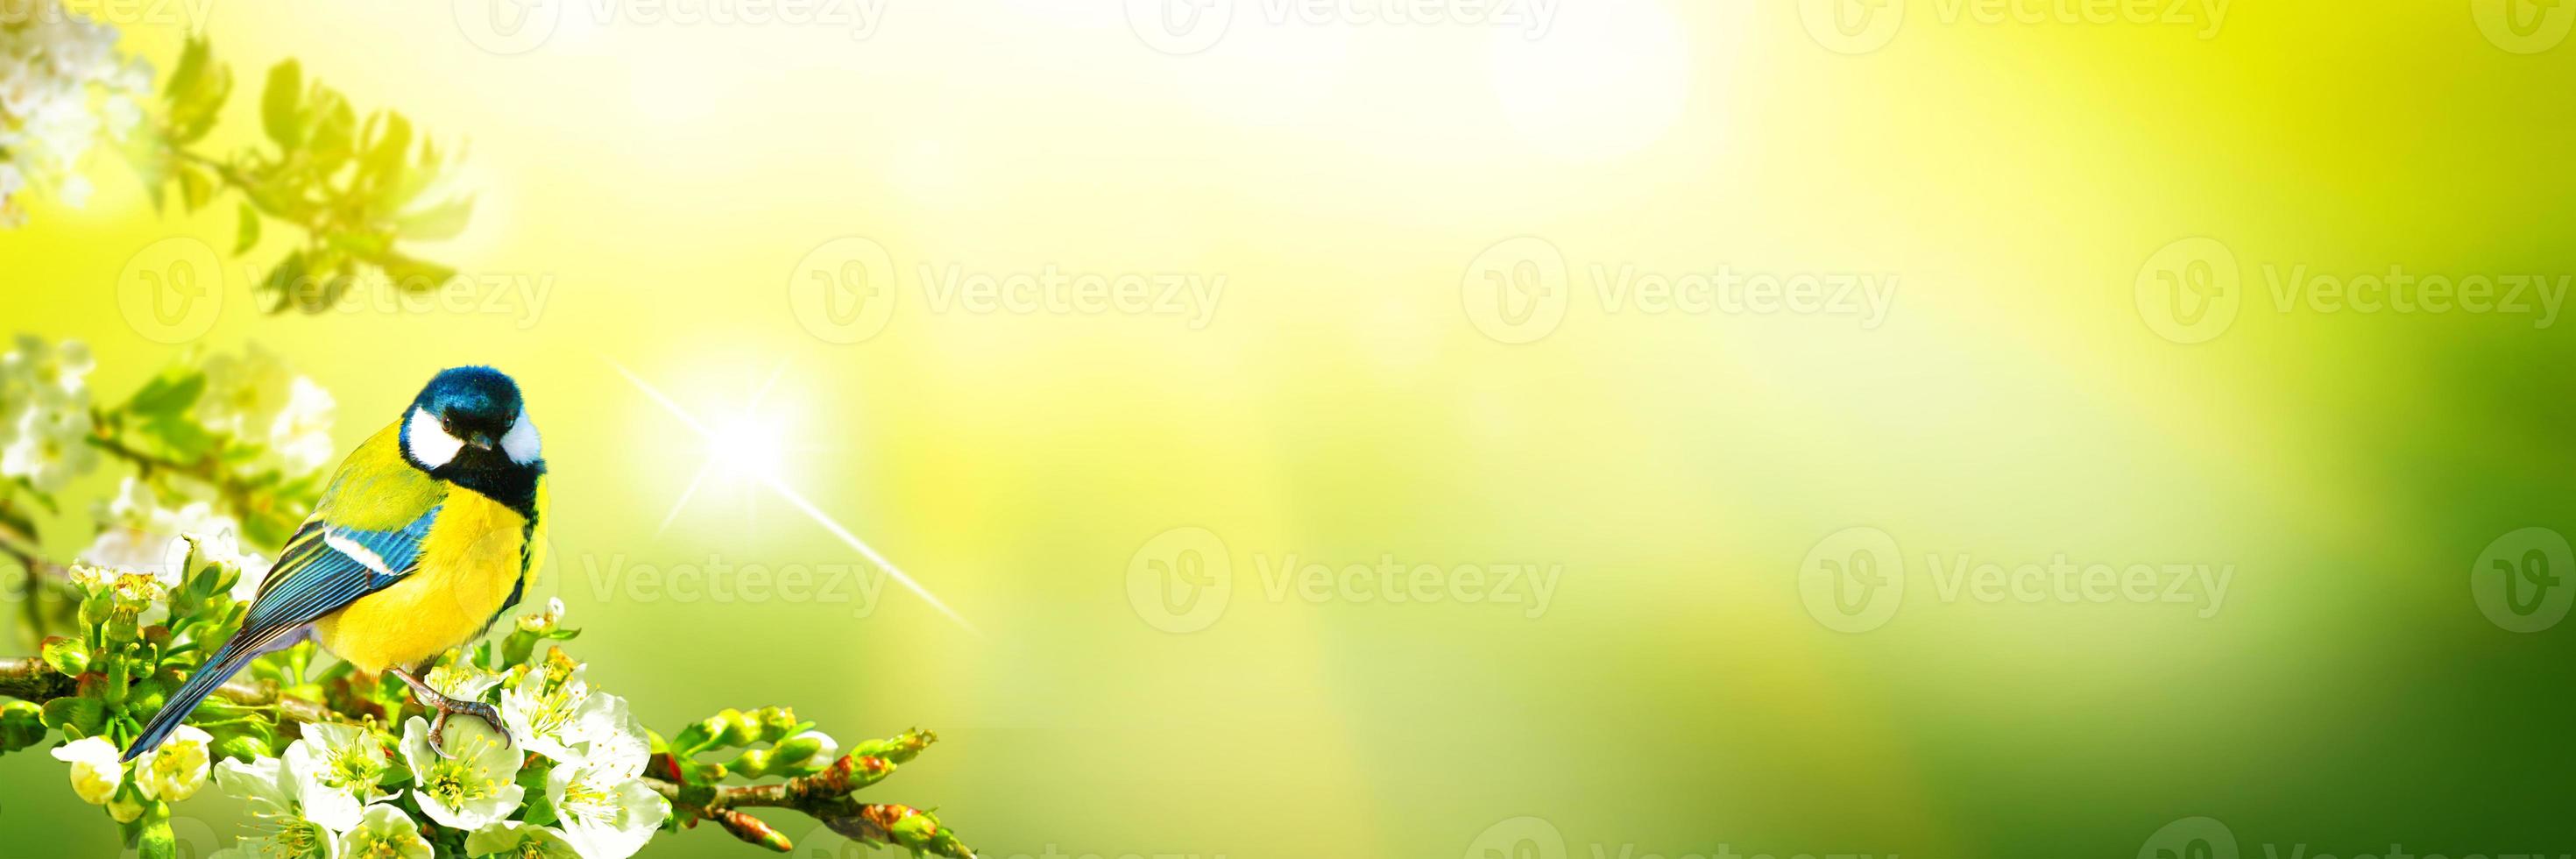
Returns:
(479, 441)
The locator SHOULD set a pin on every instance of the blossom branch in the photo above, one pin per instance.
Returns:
(29, 679)
(246, 502)
(825, 796)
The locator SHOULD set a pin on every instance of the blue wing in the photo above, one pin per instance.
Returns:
(322, 568)
(328, 566)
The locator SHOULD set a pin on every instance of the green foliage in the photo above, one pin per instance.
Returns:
(358, 187)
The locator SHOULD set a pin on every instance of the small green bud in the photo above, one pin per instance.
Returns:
(696, 735)
(752, 763)
(125, 624)
(76, 717)
(736, 728)
(796, 751)
(776, 723)
(242, 747)
(22, 724)
(67, 656)
(899, 749)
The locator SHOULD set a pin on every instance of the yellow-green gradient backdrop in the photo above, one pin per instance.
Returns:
(1346, 178)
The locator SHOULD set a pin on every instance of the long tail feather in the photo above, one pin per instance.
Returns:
(229, 659)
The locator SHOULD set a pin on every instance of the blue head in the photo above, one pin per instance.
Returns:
(469, 427)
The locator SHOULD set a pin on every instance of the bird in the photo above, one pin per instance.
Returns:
(429, 531)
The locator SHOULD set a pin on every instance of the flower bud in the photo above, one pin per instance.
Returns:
(752, 763)
(753, 829)
(243, 747)
(22, 724)
(96, 772)
(899, 749)
(736, 728)
(797, 752)
(125, 808)
(95, 608)
(775, 723)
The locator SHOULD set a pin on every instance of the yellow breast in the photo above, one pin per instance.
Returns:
(469, 563)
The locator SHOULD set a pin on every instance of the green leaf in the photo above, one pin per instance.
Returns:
(413, 274)
(282, 280)
(278, 107)
(67, 656)
(16, 522)
(194, 113)
(442, 221)
(385, 157)
(194, 186)
(75, 717)
(335, 131)
(190, 72)
(184, 439)
(247, 236)
(168, 394)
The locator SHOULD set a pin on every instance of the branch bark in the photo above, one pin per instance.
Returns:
(824, 796)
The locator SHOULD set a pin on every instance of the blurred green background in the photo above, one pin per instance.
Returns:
(669, 184)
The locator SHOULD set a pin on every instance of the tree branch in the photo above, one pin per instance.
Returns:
(30, 679)
(824, 796)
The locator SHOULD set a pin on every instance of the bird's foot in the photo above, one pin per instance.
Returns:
(445, 706)
(477, 709)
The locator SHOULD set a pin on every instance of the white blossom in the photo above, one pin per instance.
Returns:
(175, 769)
(141, 532)
(469, 784)
(383, 832)
(515, 840)
(62, 83)
(44, 411)
(95, 769)
(299, 439)
(48, 447)
(283, 832)
(545, 709)
(461, 680)
(606, 810)
(334, 770)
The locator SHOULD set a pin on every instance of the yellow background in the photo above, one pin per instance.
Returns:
(1340, 406)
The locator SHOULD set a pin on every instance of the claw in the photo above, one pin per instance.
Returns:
(445, 706)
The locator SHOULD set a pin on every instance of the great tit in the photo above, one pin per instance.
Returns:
(429, 531)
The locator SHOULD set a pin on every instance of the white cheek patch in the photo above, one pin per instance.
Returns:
(427, 441)
(521, 441)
